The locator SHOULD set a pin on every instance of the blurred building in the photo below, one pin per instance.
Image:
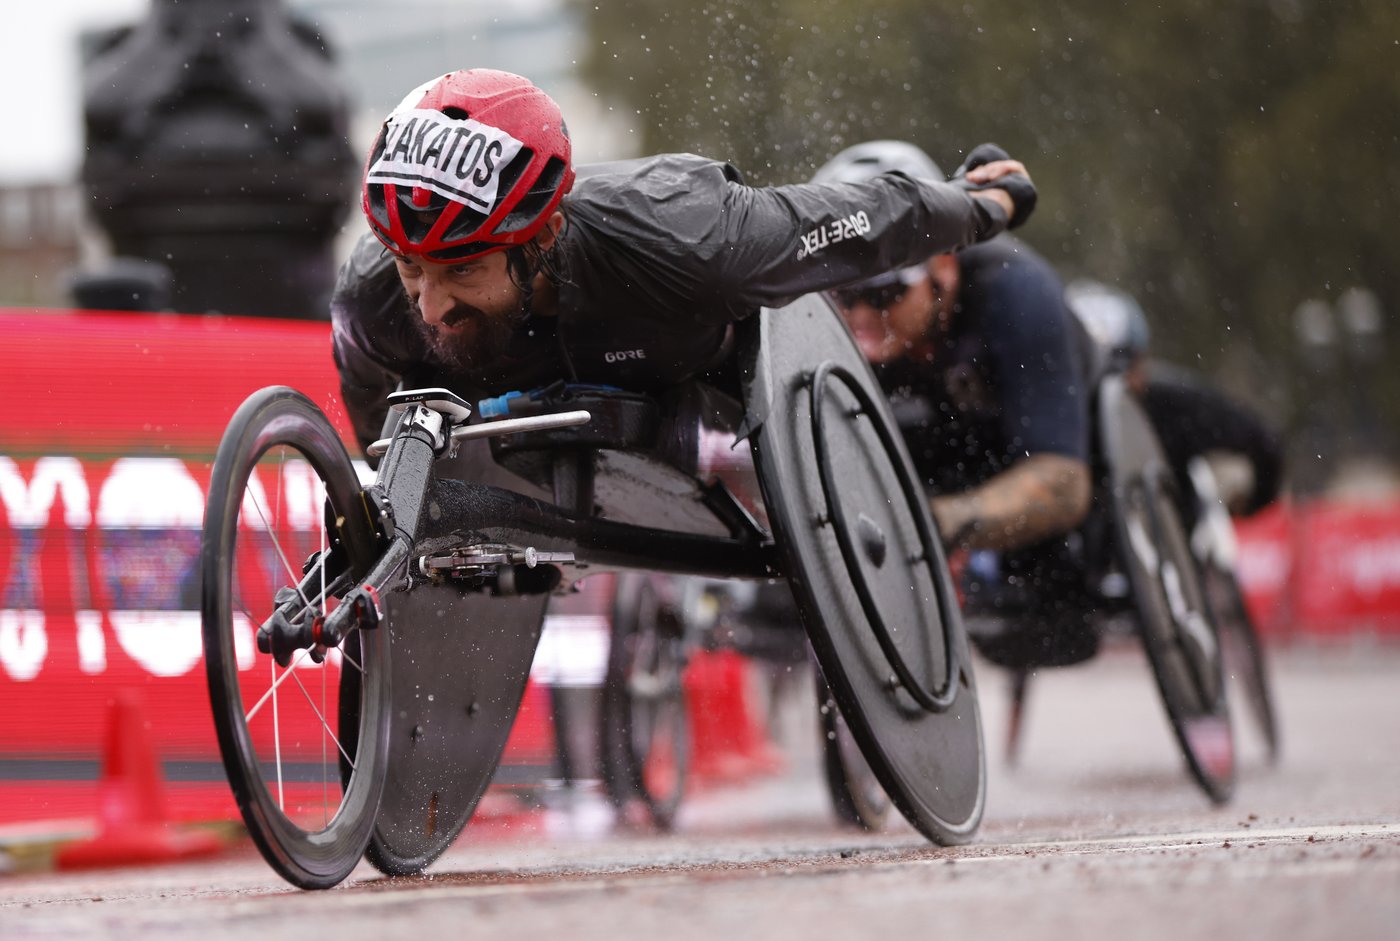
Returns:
(39, 241)
(383, 48)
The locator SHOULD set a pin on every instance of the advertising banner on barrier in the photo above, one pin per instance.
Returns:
(1324, 569)
(108, 427)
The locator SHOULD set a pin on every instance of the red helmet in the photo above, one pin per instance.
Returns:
(468, 163)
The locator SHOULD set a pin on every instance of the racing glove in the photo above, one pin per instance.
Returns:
(1017, 185)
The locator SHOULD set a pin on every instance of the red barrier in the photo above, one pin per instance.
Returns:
(108, 425)
(1323, 569)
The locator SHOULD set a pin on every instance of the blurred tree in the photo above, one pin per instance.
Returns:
(1220, 161)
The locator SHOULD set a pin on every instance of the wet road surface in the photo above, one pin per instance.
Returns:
(1097, 831)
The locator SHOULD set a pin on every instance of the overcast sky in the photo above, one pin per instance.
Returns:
(40, 83)
(41, 94)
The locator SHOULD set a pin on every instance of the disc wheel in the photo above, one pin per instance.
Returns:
(856, 794)
(307, 786)
(860, 550)
(644, 738)
(1179, 634)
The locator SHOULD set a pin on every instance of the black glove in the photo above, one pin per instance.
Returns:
(1017, 185)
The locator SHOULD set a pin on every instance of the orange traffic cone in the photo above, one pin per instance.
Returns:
(132, 828)
(727, 741)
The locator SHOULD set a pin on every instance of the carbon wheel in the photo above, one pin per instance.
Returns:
(308, 787)
(644, 739)
(851, 521)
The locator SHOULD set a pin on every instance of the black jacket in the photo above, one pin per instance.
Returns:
(660, 255)
(1007, 379)
(1193, 419)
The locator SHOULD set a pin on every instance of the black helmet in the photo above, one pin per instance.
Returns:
(859, 163)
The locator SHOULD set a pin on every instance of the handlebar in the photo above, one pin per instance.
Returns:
(503, 426)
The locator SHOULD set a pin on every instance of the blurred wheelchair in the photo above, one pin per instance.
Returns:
(659, 623)
(1160, 564)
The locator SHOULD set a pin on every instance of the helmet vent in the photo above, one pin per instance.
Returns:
(539, 197)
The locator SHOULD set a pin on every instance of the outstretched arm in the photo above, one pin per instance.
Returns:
(771, 245)
(1194, 419)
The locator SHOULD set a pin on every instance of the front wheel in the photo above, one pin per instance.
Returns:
(303, 732)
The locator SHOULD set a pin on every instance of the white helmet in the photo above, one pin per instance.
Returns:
(861, 162)
(1112, 318)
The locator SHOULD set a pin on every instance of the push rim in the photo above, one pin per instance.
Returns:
(940, 698)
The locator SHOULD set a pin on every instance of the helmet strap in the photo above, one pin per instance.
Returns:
(524, 262)
(522, 269)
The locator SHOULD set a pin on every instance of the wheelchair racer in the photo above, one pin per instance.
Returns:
(492, 264)
(1192, 419)
(985, 369)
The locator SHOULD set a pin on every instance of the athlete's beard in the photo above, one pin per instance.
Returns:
(470, 339)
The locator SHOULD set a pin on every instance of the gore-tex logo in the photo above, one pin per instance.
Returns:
(619, 356)
(838, 230)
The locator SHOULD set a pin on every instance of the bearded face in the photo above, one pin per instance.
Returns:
(466, 312)
(469, 338)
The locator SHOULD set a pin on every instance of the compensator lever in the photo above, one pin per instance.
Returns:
(485, 559)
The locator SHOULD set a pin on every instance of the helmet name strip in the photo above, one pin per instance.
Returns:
(459, 159)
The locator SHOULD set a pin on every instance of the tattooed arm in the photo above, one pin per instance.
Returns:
(1035, 498)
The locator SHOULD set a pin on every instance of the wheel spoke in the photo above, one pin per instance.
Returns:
(276, 682)
(325, 785)
(272, 536)
(277, 740)
(345, 656)
(324, 725)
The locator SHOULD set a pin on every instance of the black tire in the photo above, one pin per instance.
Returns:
(644, 725)
(856, 794)
(1244, 650)
(1178, 630)
(282, 755)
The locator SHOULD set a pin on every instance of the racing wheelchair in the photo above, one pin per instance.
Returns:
(367, 643)
(1153, 562)
(1144, 569)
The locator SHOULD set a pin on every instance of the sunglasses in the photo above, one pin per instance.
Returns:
(880, 298)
